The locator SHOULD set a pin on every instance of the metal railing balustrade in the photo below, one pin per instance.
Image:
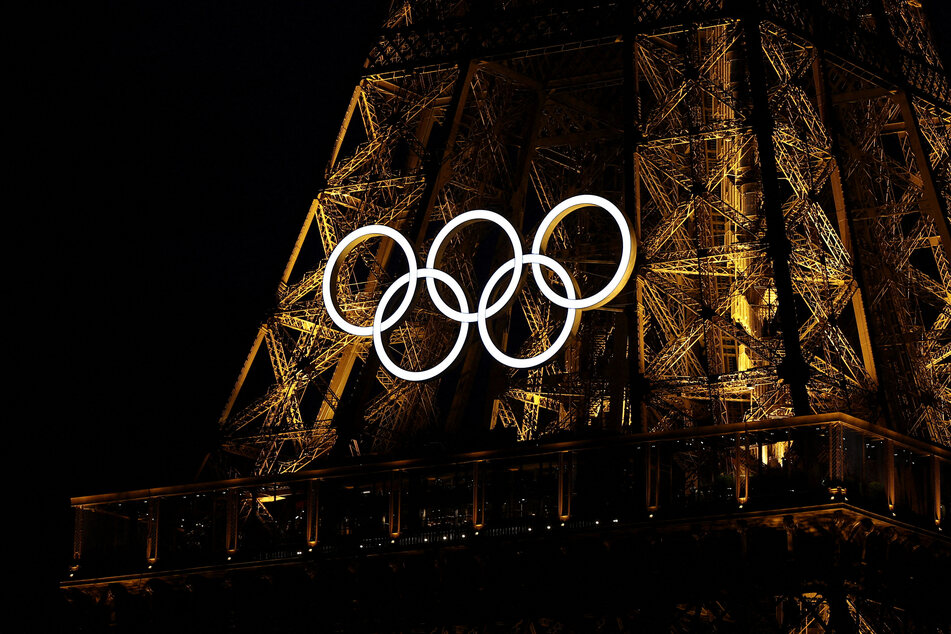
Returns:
(602, 483)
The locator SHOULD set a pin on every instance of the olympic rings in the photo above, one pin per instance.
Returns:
(571, 320)
(435, 259)
(624, 269)
(570, 301)
(378, 327)
(333, 268)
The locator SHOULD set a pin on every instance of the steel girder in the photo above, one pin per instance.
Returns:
(789, 185)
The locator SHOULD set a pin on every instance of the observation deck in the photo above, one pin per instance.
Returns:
(802, 493)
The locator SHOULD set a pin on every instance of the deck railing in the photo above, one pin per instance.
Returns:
(524, 492)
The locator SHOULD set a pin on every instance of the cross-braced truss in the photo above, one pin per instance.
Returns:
(789, 191)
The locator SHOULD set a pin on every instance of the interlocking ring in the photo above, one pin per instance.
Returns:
(333, 268)
(570, 301)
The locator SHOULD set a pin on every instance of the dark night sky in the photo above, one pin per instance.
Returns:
(188, 138)
(191, 147)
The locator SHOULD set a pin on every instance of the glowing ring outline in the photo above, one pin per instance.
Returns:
(421, 375)
(572, 319)
(438, 247)
(536, 258)
(625, 266)
(332, 268)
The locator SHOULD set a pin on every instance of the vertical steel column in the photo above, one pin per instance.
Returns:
(742, 470)
(311, 512)
(793, 369)
(890, 474)
(151, 540)
(231, 522)
(632, 200)
(652, 481)
(565, 475)
(396, 495)
(836, 459)
(78, 519)
(936, 483)
(478, 495)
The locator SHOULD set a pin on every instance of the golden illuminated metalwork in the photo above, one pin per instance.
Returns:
(771, 387)
(788, 182)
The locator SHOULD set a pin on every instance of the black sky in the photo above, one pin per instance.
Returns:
(187, 140)
(190, 137)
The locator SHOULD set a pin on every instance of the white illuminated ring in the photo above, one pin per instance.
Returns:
(571, 319)
(349, 242)
(483, 312)
(378, 341)
(624, 269)
(438, 247)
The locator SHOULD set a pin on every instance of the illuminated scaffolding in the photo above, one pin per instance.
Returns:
(767, 404)
(787, 176)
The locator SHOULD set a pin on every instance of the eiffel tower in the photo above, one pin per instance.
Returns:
(770, 383)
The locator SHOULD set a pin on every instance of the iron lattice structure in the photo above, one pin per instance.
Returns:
(786, 168)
